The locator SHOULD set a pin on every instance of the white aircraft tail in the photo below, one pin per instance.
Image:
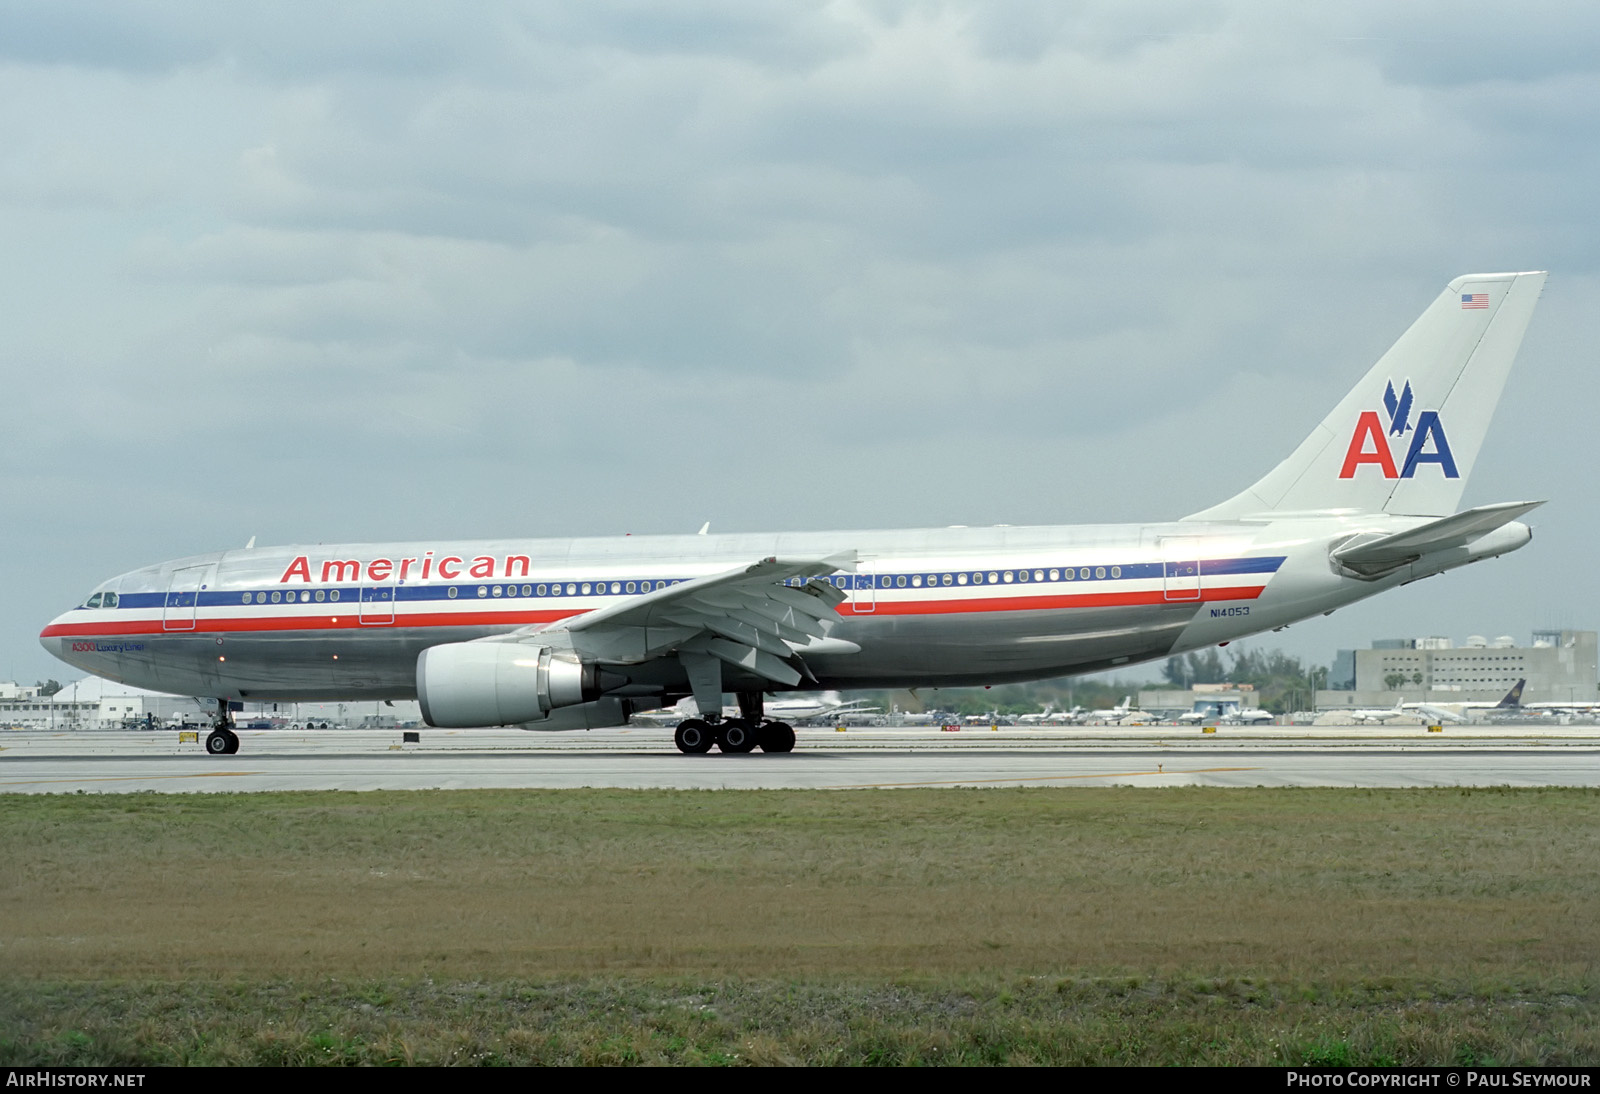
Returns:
(1405, 438)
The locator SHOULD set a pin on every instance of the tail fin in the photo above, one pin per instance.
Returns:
(1513, 697)
(1405, 438)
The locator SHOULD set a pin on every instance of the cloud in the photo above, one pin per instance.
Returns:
(399, 269)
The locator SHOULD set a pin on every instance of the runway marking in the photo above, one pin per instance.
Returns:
(133, 778)
(1039, 778)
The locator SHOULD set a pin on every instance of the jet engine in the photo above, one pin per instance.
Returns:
(464, 684)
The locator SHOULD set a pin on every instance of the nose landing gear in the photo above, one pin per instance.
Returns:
(222, 740)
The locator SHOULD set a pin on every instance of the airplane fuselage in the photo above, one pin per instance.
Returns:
(924, 608)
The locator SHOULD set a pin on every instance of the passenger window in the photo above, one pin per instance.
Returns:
(993, 577)
(1022, 575)
(1099, 571)
(1068, 574)
(1038, 575)
(961, 579)
(1055, 575)
(247, 598)
(451, 592)
(527, 590)
(483, 590)
(630, 586)
(541, 590)
(572, 589)
(1007, 576)
(1084, 573)
(900, 581)
(276, 597)
(945, 580)
(320, 596)
(495, 590)
(916, 581)
(333, 594)
(586, 587)
(1116, 571)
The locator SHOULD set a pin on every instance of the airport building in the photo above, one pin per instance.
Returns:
(1559, 666)
(1217, 699)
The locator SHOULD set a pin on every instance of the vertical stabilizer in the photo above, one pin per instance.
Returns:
(1405, 438)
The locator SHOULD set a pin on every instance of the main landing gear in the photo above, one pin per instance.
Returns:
(696, 736)
(222, 740)
(746, 733)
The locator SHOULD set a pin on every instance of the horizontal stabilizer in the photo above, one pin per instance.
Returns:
(1437, 535)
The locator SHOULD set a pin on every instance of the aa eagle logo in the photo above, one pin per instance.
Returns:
(1371, 443)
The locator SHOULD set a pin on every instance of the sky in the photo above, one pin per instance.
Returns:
(411, 270)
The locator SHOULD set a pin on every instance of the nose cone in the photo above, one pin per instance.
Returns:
(53, 639)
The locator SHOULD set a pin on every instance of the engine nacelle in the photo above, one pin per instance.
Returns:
(600, 714)
(463, 684)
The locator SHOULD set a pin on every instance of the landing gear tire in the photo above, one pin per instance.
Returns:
(736, 737)
(694, 737)
(777, 737)
(220, 742)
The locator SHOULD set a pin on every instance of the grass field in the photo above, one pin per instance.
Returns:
(1116, 925)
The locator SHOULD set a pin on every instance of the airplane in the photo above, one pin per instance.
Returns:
(1437, 713)
(577, 633)
(1431, 712)
(1555, 707)
(1235, 715)
(1041, 717)
(1117, 714)
(1511, 702)
(830, 705)
(926, 718)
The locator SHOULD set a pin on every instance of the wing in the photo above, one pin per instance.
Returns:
(758, 617)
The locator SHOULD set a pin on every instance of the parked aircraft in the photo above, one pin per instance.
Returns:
(1122, 713)
(829, 705)
(566, 634)
(1048, 714)
(1378, 715)
(1556, 707)
(1511, 702)
(1234, 716)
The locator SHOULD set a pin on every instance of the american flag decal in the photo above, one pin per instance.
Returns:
(1474, 300)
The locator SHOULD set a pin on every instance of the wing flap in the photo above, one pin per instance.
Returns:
(751, 660)
(758, 617)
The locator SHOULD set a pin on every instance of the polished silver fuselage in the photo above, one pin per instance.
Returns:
(925, 608)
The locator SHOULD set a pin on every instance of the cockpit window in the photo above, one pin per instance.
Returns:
(93, 602)
(109, 600)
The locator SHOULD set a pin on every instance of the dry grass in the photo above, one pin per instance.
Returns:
(1345, 923)
(1037, 1020)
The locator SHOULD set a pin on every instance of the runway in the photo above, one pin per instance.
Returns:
(640, 758)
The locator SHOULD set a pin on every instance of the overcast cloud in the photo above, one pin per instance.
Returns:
(385, 271)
